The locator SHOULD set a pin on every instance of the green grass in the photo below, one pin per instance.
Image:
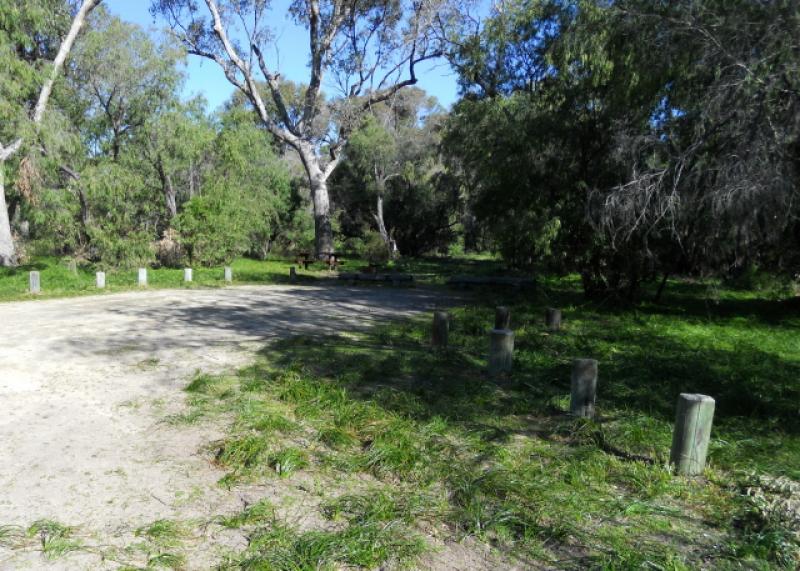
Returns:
(500, 461)
(58, 281)
(56, 539)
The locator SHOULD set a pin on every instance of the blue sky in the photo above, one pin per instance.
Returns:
(205, 78)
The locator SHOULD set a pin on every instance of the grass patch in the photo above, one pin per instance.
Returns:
(58, 281)
(450, 449)
(55, 539)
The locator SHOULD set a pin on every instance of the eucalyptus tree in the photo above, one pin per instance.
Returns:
(395, 144)
(175, 142)
(369, 48)
(125, 77)
(29, 34)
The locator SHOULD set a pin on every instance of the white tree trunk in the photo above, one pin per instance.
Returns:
(8, 256)
(387, 240)
(323, 230)
(7, 253)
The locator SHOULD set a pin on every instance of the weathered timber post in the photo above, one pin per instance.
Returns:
(583, 387)
(72, 266)
(552, 319)
(292, 274)
(100, 280)
(441, 329)
(501, 351)
(502, 318)
(695, 414)
(34, 283)
(142, 277)
(228, 274)
(187, 274)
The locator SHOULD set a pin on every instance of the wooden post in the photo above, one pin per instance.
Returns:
(142, 277)
(100, 280)
(501, 351)
(552, 319)
(72, 266)
(502, 318)
(584, 387)
(441, 329)
(228, 274)
(292, 274)
(695, 415)
(34, 283)
(187, 274)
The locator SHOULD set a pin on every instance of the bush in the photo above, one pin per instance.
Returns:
(374, 249)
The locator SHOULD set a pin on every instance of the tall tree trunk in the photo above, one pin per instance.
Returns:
(170, 196)
(8, 256)
(323, 230)
(318, 182)
(7, 253)
(387, 240)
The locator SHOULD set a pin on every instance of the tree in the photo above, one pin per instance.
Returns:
(373, 151)
(124, 78)
(675, 157)
(244, 196)
(20, 52)
(370, 48)
(392, 154)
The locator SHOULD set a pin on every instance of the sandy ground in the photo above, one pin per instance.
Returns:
(85, 384)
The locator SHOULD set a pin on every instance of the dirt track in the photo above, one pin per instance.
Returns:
(85, 384)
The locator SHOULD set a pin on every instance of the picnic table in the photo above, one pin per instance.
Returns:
(332, 259)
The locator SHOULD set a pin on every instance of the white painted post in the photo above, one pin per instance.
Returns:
(34, 282)
(187, 274)
(584, 387)
(692, 434)
(228, 274)
(100, 280)
(501, 351)
(142, 277)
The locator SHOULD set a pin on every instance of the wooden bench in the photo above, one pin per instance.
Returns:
(305, 259)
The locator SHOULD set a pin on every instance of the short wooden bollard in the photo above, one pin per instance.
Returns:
(34, 283)
(552, 319)
(692, 433)
(292, 274)
(72, 266)
(187, 274)
(502, 318)
(441, 329)
(501, 351)
(228, 274)
(583, 388)
(100, 280)
(142, 277)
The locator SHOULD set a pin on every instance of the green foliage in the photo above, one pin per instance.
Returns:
(242, 201)
(652, 160)
(394, 156)
(30, 34)
(373, 249)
